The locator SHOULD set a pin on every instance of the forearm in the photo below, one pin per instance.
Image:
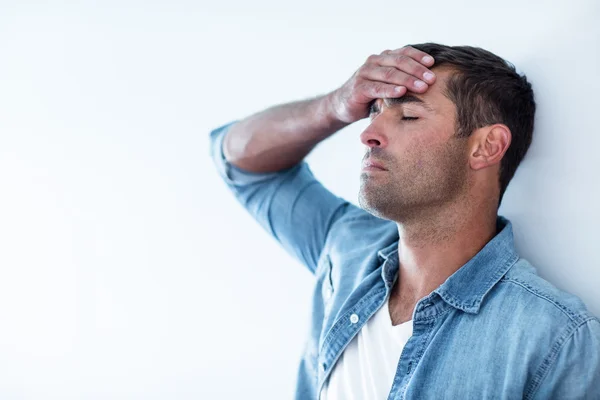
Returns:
(281, 136)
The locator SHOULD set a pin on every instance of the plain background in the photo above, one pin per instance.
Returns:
(127, 271)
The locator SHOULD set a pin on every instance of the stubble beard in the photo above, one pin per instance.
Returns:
(412, 192)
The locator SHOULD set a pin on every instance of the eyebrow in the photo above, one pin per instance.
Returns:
(408, 98)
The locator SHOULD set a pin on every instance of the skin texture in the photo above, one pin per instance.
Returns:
(441, 191)
(427, 166)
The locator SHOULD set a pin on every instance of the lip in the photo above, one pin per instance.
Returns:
(371, 165)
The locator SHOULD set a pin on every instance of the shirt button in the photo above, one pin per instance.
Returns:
(322, 367)
(354, 318)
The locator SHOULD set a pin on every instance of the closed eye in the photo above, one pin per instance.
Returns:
(409, 118)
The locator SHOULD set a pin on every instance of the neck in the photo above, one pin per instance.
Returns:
(437, 243)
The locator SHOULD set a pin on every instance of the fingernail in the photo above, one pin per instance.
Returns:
(427, 59)
(428, 75)
(420, 84)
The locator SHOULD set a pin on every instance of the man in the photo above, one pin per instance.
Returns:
(419, 293)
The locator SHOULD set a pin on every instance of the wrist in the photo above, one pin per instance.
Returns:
(329, 106)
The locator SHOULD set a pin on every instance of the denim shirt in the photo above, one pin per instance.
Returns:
(493, 330)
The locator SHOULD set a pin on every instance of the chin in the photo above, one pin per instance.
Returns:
(371, 206)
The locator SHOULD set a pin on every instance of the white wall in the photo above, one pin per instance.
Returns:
(126, 269)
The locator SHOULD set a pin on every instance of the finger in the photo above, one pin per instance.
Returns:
(415, 54)
(380, 90)
(408, 65)
(392, 75)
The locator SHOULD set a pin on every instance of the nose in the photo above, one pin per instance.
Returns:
(372, 137)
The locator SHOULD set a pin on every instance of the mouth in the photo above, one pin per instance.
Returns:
(371, 165)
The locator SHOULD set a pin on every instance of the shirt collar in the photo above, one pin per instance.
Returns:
(466, 288)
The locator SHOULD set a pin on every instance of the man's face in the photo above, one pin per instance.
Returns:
(426, 165)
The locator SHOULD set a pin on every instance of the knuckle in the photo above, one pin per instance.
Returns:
(401, 58)
(406, 50)
(371, 59)
(378, 90)
(363, 70)
(388, 73)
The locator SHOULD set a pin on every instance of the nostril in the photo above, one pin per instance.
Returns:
(374, 142)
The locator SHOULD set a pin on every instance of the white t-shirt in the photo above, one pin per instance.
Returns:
(367, 367)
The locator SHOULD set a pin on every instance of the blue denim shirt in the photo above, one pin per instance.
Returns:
(493, 330)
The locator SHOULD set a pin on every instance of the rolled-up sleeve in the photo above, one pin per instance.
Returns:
(295, 208)
(572, 370)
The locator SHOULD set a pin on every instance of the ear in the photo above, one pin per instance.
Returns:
(488, 145)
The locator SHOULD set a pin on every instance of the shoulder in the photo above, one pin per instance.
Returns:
(542, 316)
(523, 283)
(560, 329)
